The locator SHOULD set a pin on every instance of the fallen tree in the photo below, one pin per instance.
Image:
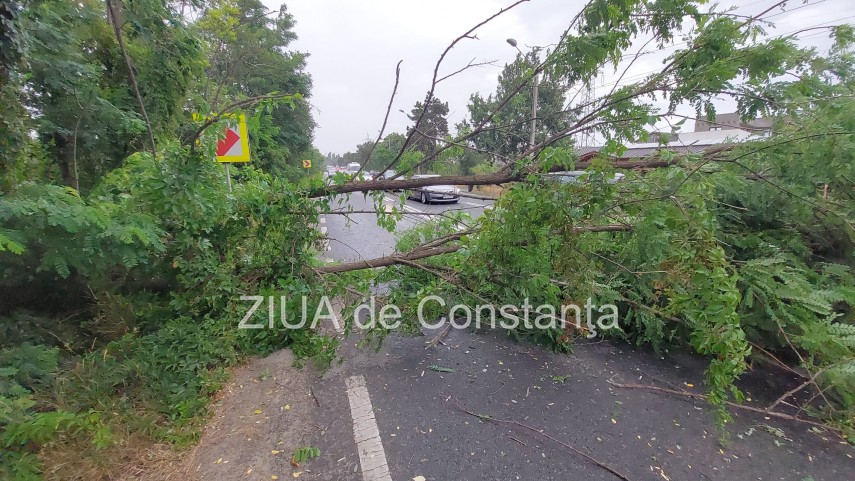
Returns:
(742, 252)
(742, 246)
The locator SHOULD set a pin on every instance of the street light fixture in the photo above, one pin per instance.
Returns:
(513, 43)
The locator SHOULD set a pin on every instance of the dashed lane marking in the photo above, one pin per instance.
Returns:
(372, 457)
(405, 206)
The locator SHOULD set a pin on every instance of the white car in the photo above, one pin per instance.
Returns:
(433, 193)
(574, 176)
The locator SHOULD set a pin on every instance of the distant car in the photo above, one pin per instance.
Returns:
(433, 193)
(575, 176)
(353, 168)
(386, 176)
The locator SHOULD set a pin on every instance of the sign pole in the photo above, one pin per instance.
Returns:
(228, 176)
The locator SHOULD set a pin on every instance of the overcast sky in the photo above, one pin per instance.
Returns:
(354, 46)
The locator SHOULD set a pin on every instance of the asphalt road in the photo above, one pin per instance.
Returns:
(356, 236)
(552, 416)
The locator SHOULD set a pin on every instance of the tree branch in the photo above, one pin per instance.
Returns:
(538, 432)
(385, 120)
(765, 412)
(437, 247)
(430, 95)
(228, 109)
(388, 260)
(502, 177)
(132, 78)
(472, 63)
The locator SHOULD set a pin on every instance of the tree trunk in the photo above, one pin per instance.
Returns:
(65, 154)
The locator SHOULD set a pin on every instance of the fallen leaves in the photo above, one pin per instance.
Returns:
(434, 367)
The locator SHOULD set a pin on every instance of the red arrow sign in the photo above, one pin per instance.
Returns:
(227, 143)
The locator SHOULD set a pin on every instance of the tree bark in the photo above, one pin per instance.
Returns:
(389, 260)
(65, 155)
(501, 177)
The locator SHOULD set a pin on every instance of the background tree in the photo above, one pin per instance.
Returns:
(250, 58)
(433, 125)
(89, 118)
(386, 151)
(508, 133)
(333, 159)
(12, 129)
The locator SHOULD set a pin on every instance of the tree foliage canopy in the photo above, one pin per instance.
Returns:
(114, 219)
(509, 130)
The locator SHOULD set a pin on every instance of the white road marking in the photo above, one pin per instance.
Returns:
(406, 207)
(323, 220)
(372, 457)
(325, 241)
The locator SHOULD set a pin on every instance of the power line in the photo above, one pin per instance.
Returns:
(797, 8)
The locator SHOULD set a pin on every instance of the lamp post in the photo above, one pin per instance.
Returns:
(531, 141)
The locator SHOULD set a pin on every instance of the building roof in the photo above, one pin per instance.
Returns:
(732, 121)
(684, 143)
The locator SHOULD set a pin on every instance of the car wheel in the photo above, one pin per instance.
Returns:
(424, 198)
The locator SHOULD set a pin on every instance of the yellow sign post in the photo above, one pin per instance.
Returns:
(307, 164)
(234, 147)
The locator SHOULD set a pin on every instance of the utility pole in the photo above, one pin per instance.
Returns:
(534, 110)
(585, 138)
(533, 137)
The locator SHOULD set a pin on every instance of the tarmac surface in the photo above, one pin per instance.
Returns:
(480, 406)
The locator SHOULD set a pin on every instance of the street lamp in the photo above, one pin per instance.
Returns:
(513, 43)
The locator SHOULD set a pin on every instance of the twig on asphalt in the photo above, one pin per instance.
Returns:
(499, 389)
(438, 339)
(517, 440)
(765, 412)
(485, 417)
